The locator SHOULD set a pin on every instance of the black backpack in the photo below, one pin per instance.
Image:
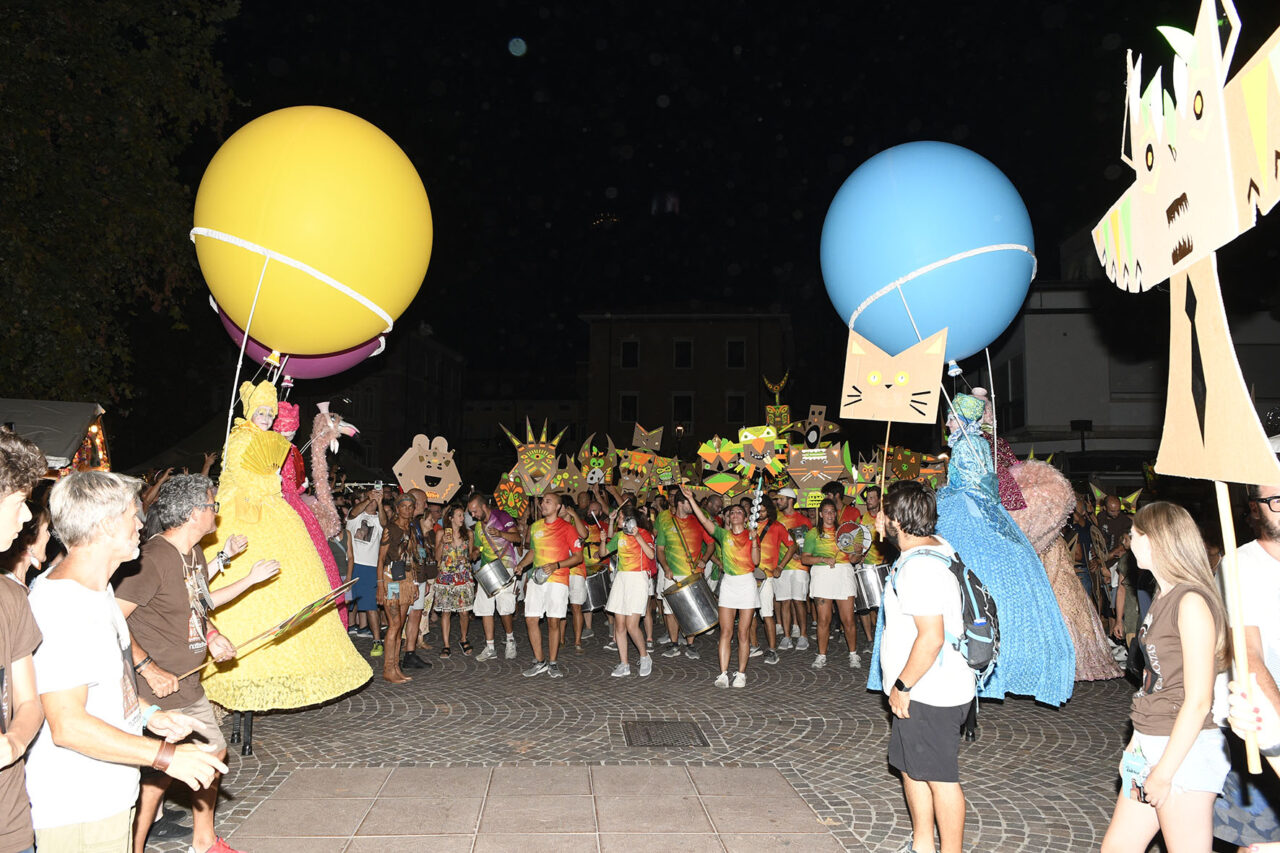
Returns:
(980, 643)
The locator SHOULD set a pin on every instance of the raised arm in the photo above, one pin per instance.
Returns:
(706, 523)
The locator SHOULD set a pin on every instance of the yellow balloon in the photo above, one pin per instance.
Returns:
(337, 212)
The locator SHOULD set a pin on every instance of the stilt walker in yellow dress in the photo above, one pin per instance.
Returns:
(315, 662)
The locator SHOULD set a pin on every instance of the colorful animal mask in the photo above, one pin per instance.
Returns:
(665, 471)
(778, 417)
(597, 465)
(814, 428)
(509, 496)
(718, 454)
(635, 468)
(567, 478)
(535, 458)
(1128, 503)
(644, 439)
(726, 484)
(902, 388)
(813, 468)
(1205, 158)
(760, 447)
(428, 465)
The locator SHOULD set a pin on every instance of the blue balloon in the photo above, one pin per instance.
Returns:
(919, 204)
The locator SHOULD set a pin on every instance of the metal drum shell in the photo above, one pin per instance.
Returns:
(598, 586)
(869, 583)
(494, 578)
(694, 605)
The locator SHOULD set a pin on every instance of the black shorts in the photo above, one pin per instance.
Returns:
(926, 744)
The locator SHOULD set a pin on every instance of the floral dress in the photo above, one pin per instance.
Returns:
(455, 590)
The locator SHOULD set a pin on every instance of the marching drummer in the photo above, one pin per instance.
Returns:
(495, 536)
(683, 550)
(554, 548)
(632, 542)
(776, 548)
(737, 552)
(874, 555)
(791, 588)
(830, 561)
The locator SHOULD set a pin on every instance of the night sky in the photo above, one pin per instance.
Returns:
(681, 156)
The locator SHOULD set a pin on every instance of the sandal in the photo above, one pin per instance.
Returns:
(466, 647)
(444, 652)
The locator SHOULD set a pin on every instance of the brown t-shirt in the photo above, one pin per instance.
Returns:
(1113, 531)
(19, 637)
(1157, 702)
(169, 622)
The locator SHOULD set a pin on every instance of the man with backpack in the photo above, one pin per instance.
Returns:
(929, 681)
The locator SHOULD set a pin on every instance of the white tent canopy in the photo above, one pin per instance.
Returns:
(58, 428)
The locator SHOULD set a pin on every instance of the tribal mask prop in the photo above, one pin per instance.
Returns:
(428, 465)
(597, 465)
(535, 458)
(635, 468)
(650, 440)
(813, 468)
(509, 496)
(760, 448)
(718, 454)
(1128, 503)
(815, 428)
(567, 478)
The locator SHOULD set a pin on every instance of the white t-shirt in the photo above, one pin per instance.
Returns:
(1260, 594)
(925, 587)
(86, 642)
(366, 537)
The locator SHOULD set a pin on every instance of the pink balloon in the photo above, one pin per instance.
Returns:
(306, 366)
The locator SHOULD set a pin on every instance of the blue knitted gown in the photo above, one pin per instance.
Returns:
(1037, 657)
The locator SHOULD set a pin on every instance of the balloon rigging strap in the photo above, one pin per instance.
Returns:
(298, 265)
(244, 342)
(991, 392)
(928, 268)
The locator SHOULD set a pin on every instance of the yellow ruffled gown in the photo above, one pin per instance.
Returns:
(310, 664)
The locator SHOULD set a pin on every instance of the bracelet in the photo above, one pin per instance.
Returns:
(164, 757)
(140, 665)
(211, 633)
(147, 713)
(221, 556)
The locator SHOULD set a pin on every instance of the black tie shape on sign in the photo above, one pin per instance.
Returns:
(1198, 390)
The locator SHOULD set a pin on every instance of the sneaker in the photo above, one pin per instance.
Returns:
(671, 651)
(554, 670)
(648, 644)
(691, 653)
(819, 662)
(219, 846)
(364, 633)
(722, 680)
(587, 633)
(802, 643)
(739, 679)
(784, 645)
(646, 665)
(487, 653)
(855, 662)
(353, 629)
(908, 846)
(376, 651)
(622, 670)
(777, 630)
(770, 656)
(539, 667)
(795, 630)
(756, 651)
(511, 649)
(610, 646)
(664, 639)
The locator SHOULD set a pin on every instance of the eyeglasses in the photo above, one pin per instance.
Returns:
(213, 506)
(1273, 502)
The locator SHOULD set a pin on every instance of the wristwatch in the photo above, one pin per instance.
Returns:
(900, 687)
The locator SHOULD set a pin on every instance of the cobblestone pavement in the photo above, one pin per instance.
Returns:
(1037, 778)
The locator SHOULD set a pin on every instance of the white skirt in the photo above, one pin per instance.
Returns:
(833, 582)
(739, 592)
(630, 594)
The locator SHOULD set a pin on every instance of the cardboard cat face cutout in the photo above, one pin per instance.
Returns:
(901, 388)
(650, 440)
(535, 458)
(429, 465)
(597, 465)
(718, 454)
(813, 468)
(760, 451)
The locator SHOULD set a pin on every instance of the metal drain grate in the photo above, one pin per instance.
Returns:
(662, 733)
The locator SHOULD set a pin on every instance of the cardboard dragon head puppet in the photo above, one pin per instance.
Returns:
(535, 458)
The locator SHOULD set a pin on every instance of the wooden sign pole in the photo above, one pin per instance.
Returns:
(1231, 586)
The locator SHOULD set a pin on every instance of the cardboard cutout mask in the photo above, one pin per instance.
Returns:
(902, 388)
(760, 448)
(567, 478)
(778, 417)
(509, 496)
(813, 468)
(429, 465)
(650, 440)
(815, 428)
(718, 454)
(635, 467)
(665, 471)
(1128, 503)
(535, 458)
(1207, 164)
(597, 465)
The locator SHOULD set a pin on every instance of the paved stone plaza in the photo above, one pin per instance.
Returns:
(469, 753)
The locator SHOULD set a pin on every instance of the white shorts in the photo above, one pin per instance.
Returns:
(651, 586)
(630, 594)
(577, 589)
(548, 599)
(663, 584)
(766, 598)
(833, 582)
(791, 585)
(420, 602)
(739, 592)
(504, 604)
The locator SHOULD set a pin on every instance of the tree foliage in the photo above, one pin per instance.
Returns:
(99, 102)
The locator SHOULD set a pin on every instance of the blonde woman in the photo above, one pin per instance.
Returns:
(1175, 763)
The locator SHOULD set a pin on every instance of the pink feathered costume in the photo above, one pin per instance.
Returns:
(292, 475)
